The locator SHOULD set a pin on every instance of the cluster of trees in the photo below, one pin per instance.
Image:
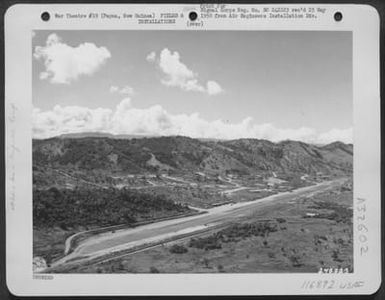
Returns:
(98, 207)
(207, 243)
(179, 249)
(196, 196)
(244, 230)
(334, 212)
(234, 233)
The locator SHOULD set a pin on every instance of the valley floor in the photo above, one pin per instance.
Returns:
(198, 191)
(298, 233)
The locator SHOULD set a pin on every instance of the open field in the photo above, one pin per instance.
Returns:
(56, 209)
(104, 245)
(198, 189)
(304, 234)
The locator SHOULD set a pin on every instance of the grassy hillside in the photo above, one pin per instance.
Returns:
(182, 154)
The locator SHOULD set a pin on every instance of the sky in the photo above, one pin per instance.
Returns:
(274, 85)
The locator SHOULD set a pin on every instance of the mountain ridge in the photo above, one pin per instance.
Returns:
(96, 134)
(185, 154)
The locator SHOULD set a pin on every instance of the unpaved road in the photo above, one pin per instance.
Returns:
(110, 242)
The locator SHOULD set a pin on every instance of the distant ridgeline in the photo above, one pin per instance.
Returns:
(178, 154)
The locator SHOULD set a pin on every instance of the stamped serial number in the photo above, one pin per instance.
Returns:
(331, 284)
(362, 228)
(333, 270)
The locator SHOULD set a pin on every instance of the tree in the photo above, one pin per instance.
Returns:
(179, 249)
(154, 270)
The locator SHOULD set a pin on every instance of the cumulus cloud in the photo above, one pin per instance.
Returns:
(342, 135)
(64, 64)
(155, 120)
(177, 74)
(151, 56)
(126, 90)
(69, 119)
(213, 88)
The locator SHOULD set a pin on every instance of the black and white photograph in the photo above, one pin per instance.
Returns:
(192, 152)
(192, 149)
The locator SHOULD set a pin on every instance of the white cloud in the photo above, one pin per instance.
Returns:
(126, 90)
(64, 64)
(69, 119)
(213, 88)
(151, 56)
(114, 89)
(155, 120)
(177, 74)
(342, 135)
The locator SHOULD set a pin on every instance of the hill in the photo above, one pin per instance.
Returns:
(181, 154)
